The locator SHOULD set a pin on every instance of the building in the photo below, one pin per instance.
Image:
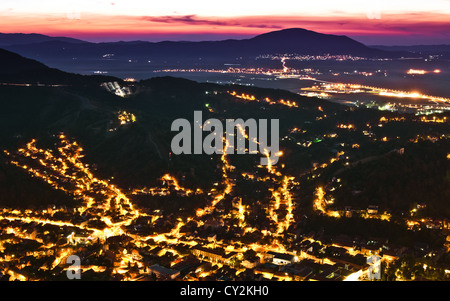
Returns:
(186, 264)
(281, 258)
(251, 264)
(213, 255)
(163, 273)
(370, 250)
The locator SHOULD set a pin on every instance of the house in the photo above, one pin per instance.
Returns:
(163, 273)
(343, 240)
(229, 256)
(267, 270)
(390, 254)
(186, 264)
(334, 251)
(214, 255)
(302, 274)
(281, 258)
(300, 271)
(370, 249)
(313, 247)
(310, 270)
(330, 273)
(251, 264)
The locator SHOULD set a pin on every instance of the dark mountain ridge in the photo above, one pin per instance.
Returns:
(443, 50)
(294, 40)
(15, 68)
(23, 38)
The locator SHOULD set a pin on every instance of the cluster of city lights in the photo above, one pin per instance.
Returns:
(267, 100)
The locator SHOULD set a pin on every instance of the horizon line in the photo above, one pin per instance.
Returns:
(99, 39)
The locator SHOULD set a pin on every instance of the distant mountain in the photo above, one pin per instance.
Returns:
(18, 69)
(416, 48)
(302, 41)
(23, 39)
(443, 50)
(295, 40)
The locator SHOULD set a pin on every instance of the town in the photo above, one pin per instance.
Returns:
(227, 238)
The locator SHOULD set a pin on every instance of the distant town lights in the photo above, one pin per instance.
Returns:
(421, 72)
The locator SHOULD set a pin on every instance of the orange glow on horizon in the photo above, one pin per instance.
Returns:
(94, 26)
